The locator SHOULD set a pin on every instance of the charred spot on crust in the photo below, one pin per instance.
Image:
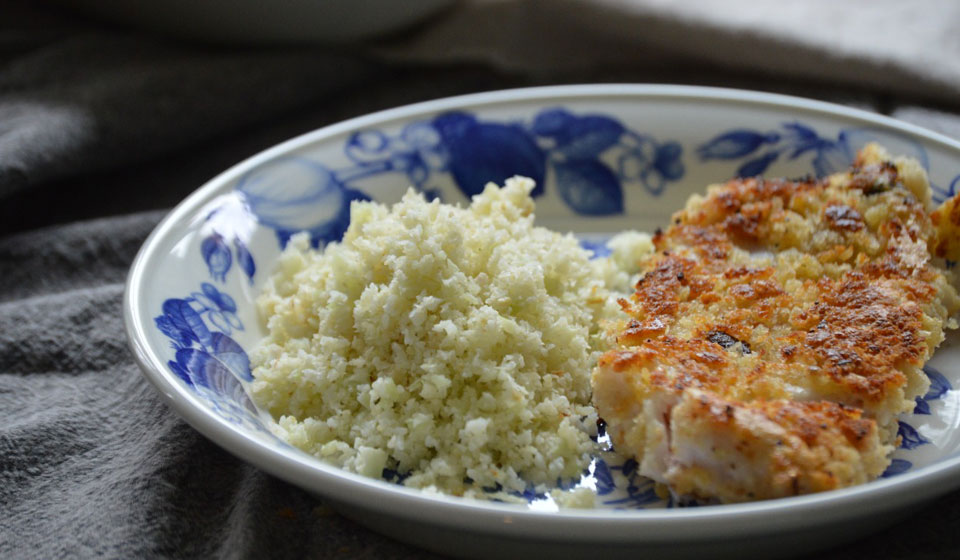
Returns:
(842, 217)
(874, 179)
(726, 341)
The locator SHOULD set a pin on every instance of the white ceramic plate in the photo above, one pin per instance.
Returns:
(609, 158)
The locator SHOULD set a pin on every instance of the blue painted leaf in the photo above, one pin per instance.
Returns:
(939, 385)
(922, 407)
(910, 438)
(940, 194)
(630, 467)
(484, 152)
(604, 477)
(831, 157)
(529, 494)
(207, 371)
(803, 139)
(643, 494)
(667, 161)
(897, 466)
(196, 364)
(167, 327)
(757, 166)
(735, 144)
(589, 187)
(187, 321)
(217, 256)
(588, 137)
(801, 132)
(180, 372)
(551, 122)
(244, 259)
(231, 355)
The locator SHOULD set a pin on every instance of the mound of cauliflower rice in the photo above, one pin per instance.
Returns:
(451, 345)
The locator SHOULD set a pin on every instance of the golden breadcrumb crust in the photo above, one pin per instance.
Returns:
(784, 300)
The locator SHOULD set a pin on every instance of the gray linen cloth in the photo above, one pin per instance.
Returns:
(102, 128)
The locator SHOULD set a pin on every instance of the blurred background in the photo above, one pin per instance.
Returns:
(138, 102)
(113, 111)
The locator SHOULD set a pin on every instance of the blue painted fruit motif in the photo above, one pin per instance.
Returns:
(293, 194)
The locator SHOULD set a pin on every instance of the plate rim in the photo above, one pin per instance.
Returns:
(508, 519)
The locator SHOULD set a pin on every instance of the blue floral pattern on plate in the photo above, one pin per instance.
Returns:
(791, 141)
(206, 358)
(588, 158)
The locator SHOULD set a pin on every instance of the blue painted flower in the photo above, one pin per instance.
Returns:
(418, 151)
(650, 163)
(481, 152)
(667, 162)
(216, 254)
(426, 140)
(209, 361)
(222, 300)
(218, 306)
(367, 145)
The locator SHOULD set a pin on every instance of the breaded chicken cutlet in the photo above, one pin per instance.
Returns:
(778, 331)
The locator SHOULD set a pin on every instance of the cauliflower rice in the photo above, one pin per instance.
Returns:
(453, 346)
